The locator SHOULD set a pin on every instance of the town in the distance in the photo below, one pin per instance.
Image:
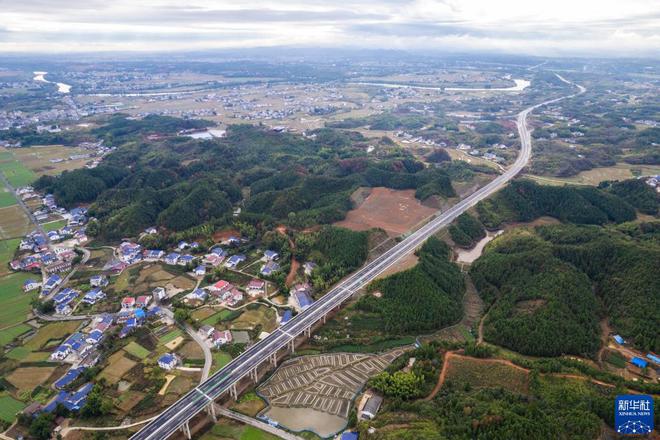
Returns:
(377, 245)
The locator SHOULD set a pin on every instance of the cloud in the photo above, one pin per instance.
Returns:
(597, 27)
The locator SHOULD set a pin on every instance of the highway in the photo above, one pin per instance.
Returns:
(199, 397)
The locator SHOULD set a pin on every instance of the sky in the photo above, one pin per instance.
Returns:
(545, 28)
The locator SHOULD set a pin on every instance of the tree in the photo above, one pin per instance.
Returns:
(400, 385)
(98, 404)
(42, 426)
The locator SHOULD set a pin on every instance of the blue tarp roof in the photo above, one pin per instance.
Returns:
(68, 378)
(349, 436)
(639, 362)
(654, 358)
(618, 339)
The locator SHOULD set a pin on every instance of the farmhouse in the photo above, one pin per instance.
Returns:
(30, 285)
(168, 361)
(256, 287)
(98, 281)
(234, 261)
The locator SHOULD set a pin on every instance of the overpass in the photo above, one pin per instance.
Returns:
(202, 397)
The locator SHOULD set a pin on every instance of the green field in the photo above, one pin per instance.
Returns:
(223, 315)
(54, 226)
(9, 333)
(169, 337)
(7, 249)
(220, 359)
(15, 303)
(9, 407)
(17, 173)
(136, 350)
(6, 198)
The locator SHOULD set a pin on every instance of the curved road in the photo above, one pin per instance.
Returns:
(199, 398)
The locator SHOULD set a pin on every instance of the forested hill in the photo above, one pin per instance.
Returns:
(548, 288)
(179, 182)
(524, 200)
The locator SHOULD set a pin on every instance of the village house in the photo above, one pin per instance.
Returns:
(269, 268)
(256, 287)
(98, 281)
(184, 260)
(213, 260)
(153, 255)
(142, 301)
(128, 303)
(220, 338)
(168, 361)
(30, 285)
(219, 287)
(172, 258)
(271, 255)
(234, 261)
(94, 295)
(200, 271)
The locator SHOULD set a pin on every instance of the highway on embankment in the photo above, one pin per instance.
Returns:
(201, 396)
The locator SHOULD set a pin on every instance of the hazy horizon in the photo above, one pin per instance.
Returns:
(602, 29)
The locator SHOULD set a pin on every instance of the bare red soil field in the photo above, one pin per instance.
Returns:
(394, 211)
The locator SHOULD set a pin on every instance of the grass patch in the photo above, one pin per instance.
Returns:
(169, 337)
(615, 359)
(54, 226)
(486, 373)
(375, 347)
(10, 333)
(7, 250)
(220, 359)
(51, 332)
(6, 198)
(16, 173)
(14, 223)
(9, 407)
(18, 353)
(223, 315)
(15, 303)
(136, 350)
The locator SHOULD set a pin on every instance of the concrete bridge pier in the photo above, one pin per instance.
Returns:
(293, 345)
(255, 375)
(273, 359)
(186, 430)
(308, 331)
(210, 409)
(233, 392)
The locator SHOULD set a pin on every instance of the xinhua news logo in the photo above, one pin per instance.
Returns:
(633, 414)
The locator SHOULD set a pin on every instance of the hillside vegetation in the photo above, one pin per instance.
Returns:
(549, 287)
(177, 182)
(422, 299)
(524, 201)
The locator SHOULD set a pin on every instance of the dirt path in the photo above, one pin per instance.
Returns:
(604, 335)
(443, 375)
(295, 264)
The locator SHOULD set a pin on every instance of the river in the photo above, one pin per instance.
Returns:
(61, 87)
(520, 84)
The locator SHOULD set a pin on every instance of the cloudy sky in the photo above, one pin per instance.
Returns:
(551, 27)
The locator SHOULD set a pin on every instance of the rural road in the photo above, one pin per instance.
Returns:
(196, 400)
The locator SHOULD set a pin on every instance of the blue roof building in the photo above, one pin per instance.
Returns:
(139, 314)
(71, 401)
(68, 378)
(639, 362)
(349, 436)
(653, 358)
(619, 340)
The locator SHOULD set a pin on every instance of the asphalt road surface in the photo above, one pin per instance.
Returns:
(198, 398)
